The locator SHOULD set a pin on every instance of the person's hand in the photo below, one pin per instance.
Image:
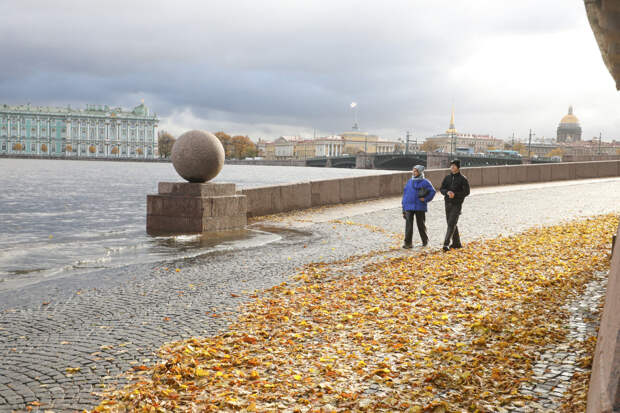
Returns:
(422, 200)
(404, 215)
(450, 194)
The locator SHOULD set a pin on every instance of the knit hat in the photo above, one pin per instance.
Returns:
(420, 170)
(456, 162)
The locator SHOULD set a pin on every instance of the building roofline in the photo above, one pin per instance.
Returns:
(106, 112)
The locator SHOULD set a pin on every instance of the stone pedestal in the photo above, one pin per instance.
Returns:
(194, 208)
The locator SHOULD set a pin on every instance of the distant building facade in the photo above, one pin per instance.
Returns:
(348, 143)
(96, 131)
(569, 129)
(320, 147)
(284, 149)
(455, 141)
(539, 149)
(584, 148)
(356, 142)
(592, 147)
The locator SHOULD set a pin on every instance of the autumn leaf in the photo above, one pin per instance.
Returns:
(399, 332)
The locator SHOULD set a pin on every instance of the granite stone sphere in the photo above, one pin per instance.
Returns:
(198, 156)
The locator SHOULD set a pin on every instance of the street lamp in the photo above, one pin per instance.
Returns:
(354, 107)
(407, 144)
(452, 144)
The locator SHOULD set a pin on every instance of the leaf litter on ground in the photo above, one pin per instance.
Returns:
(432, 332)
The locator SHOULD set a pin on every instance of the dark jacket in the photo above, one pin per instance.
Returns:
(411, 198)
(456, 183)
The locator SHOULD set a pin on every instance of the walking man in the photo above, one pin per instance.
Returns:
(455, 187)
(417, 194)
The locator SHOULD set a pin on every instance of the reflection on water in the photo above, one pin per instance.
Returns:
(60, 217)
(152, 250)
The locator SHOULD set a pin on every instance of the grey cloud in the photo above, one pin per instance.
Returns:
(273, 62)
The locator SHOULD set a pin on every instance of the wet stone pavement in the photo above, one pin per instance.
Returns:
(556, 366)
(63, 339)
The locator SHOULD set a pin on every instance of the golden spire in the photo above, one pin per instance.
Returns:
(451, 129)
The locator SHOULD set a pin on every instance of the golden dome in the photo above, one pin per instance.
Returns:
(570, 118)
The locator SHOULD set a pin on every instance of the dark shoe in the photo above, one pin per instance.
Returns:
(446, 248)
(407, 246)
(424, 244)
(456, 247)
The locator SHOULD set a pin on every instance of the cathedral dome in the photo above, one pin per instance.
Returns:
(570, 118)
(569, 129)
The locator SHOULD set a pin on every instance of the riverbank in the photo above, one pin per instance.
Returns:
(164, 160)
(105, 323)
(83, 158)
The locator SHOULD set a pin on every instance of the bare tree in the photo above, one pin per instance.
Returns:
(165, 141)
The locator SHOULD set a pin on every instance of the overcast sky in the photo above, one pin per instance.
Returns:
(280, 67)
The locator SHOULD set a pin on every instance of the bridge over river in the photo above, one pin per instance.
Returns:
(404, 162)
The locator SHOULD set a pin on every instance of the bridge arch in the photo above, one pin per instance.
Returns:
(399, 162)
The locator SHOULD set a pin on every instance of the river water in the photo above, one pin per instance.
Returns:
(69, 217)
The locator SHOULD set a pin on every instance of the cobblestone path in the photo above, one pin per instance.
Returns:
(61, 340)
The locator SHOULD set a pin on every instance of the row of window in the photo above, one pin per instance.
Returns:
(44, 128)
(23, 121)
(43, 137)
(84, 132)
(44, 148)
(74, 131)
(112, 133)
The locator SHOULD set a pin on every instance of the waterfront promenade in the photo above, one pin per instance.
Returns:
(62, 339)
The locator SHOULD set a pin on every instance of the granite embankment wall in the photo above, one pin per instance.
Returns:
(604, 390)
(273, 162)
(281, 198)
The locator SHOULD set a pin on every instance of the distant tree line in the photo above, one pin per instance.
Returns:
(429, 146)
(235, 147)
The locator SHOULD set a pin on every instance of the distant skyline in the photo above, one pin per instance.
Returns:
(277, 67)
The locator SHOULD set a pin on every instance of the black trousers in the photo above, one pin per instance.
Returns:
(420, 217)
(453, 211)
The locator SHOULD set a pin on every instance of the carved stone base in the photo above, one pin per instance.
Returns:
(194, 208)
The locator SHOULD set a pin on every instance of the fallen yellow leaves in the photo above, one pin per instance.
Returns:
(433, 332)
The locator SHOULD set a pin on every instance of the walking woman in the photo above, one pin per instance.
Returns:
(417, 194)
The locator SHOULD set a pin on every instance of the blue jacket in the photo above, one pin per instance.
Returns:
(411, 200)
